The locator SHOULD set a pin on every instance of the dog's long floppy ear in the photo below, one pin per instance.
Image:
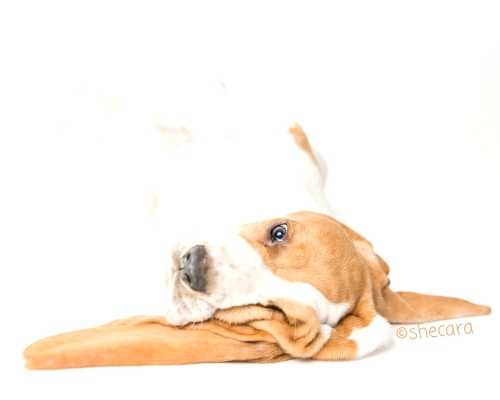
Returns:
(145, 340)
(409, 307)
(412, 308)
(293, 325)
(250, 333)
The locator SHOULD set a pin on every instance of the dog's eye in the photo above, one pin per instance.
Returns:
(278, 233)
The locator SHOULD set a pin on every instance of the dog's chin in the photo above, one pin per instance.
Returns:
(174, 317)
(177, 320)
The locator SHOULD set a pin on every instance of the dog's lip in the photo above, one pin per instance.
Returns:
(176, 261)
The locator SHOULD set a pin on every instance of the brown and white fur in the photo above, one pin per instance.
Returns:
(226, 194)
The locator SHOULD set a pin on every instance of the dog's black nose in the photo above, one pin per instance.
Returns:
(194, 265)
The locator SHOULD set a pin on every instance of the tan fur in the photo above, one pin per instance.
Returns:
(318, 247)
(306, 255)
(146, 340)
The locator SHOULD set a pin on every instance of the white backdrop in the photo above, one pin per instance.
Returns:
(402, 99)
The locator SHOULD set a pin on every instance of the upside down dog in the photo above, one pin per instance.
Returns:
(295, 284)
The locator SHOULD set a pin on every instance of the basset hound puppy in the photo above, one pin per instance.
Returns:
(257, 268)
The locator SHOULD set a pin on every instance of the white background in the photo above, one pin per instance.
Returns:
(402, 99)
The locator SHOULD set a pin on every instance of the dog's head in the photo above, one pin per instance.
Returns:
(306, 257)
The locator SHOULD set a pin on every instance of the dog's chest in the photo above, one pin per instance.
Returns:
(234, 180)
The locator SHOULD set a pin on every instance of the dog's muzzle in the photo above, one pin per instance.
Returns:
(194, 268)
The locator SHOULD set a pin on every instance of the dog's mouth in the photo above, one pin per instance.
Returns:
(185, 305)
(190, 286)
(206, 275)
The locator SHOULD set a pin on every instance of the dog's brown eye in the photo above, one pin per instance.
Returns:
(278, 233)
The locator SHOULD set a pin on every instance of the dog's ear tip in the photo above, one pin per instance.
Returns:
(479, 309)
(486, 310)
(37, 356)
(33, 359)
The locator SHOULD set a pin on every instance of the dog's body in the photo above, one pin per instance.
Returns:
(257, 268)
(221, 201)
(241, 178)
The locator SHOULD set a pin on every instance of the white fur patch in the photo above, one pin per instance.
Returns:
(235, 181)
(326, 331)
(275, 288)
(372, 337)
